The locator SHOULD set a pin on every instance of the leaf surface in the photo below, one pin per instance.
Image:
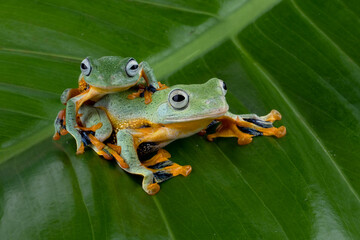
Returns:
(299, 57)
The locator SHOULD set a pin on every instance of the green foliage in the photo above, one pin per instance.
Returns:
(300, 57)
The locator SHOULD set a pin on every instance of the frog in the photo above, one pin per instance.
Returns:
(101, 76)
(131, 131)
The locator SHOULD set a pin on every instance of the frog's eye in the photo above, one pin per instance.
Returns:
(223, 86)
(85, 67)
(178, 99)
(132, 67)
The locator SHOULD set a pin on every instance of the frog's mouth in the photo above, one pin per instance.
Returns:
(213, 114)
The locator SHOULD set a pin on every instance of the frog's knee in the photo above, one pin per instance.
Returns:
(67, 94)
(122, 133)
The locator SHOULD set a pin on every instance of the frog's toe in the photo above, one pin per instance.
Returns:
(273, 116)
(280, 132)
(147, 96)
(161, 86)
(102, 152)
(118, 158)
(186, 170)
(159, 160)
(243, 140)
(56, 136)
(176, 169)
(81, 149)
(152, 189)
(166, 170)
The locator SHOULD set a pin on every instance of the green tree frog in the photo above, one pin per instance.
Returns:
(100, 77)
(130, 130)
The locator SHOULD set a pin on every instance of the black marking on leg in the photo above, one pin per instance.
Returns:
(213, 123)
(62, 124)
(151, 88)
(60, 121)
(250, 131)
(85, 138)
(107, 152)
(161, 165)
(161, 176)
(145, 149)
(258, 122)
(112, 138)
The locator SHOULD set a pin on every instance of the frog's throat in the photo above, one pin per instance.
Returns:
(214, 114)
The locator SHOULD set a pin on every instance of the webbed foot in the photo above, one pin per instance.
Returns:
(109, 151)
(273, 116)
(59, 125)
(248, 126)
(146, 92)
(165, 169)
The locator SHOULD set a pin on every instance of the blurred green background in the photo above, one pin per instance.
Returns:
(300, 57)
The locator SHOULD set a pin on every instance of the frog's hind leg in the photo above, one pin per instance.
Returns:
(97, 128)
(165, 169)
(59, 125)
(108, 151)
(247, 126)
(262, 125)
(273, 116)
(128, 152)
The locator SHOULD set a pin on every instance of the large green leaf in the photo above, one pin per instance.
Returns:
(300, 57)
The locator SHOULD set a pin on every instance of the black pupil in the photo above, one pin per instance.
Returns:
(133, 67)
(83, 66)
(178, 98)
(224, 86)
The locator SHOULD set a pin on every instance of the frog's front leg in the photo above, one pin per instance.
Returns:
(128, 152)
(71, 121)
(247, 126)
(148, 74)
(153, 85)
(72, 107)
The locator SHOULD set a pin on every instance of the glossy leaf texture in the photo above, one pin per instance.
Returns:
(300, 57)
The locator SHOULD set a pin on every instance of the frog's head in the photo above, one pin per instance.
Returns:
(110, 72)
(192, 102)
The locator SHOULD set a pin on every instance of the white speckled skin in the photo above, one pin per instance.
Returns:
(205, 100)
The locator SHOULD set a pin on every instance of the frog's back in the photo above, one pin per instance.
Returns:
(120, 109)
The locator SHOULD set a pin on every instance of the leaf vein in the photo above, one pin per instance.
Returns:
(302, 14)
(298, 115)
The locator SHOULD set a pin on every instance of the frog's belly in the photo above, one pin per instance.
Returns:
(148, 140)
(157, 140)
(171, 132)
